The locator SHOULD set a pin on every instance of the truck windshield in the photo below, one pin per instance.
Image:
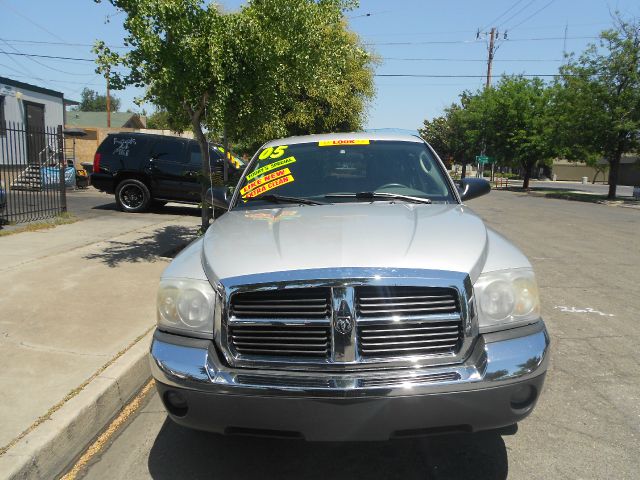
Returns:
(344, 171)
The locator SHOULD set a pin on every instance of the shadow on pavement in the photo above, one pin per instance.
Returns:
(182, 453)
(164, 242)
(174, 209)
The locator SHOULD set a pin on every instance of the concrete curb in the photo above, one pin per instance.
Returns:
(49, 448)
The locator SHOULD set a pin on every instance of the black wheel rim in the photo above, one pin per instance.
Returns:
(132, 196)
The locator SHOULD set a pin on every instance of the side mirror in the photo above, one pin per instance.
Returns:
(218, 197)
(473, 187)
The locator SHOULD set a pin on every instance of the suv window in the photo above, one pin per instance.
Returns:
(169, 150)
(195, 157)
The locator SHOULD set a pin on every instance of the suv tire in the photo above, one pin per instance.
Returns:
(132, 196)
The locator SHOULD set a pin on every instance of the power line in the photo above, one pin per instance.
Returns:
(534, 39)
(493, 22)
(64, 44)
(44, 29)
(429, 75)
(519, 12)
(533, 14)
(49, 79)
(527, 60)
(49, 56)
(472, 59)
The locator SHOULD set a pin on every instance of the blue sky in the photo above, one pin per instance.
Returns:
(412, 37)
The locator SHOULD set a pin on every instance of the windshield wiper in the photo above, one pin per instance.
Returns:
(374, 195)
(273, 198)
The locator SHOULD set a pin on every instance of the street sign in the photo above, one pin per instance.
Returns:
(482, 159)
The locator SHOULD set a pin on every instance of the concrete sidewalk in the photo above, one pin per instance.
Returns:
(74, 298)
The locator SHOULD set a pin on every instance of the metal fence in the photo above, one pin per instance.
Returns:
(32, 173)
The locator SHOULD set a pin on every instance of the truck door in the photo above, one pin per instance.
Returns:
(168, 165)
(192, 179)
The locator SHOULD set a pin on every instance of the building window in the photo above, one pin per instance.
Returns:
(3, 126)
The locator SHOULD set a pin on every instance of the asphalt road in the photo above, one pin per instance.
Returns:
(586, 425)
(90, 203)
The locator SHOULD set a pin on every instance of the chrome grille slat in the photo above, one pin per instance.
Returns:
(447, 308)
(271, 337)
(395, 350)
(416, 338)
(281, 352)
(310, 346)
(394, 332)
(406, 304)
(416, 379)
(367, 343)
(386, 299)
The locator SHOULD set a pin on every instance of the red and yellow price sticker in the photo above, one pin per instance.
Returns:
(263, 180)
(269, 186)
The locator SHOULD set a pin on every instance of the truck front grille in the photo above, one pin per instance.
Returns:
(409, 337)
(405, 301)
(384, 324)
(282, 323)
(281, 340)
(406, 321)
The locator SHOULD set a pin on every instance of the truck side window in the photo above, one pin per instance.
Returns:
(169, 150)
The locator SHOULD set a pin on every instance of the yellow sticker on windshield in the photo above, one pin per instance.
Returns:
(271, 166)
(266, 179)
(340, 143)
(269, 186)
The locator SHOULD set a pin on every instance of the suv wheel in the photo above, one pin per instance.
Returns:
(132, 196)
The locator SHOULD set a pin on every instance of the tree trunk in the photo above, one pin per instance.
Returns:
(527, 176)
(464, 171)
(196, 117)
(614, 168)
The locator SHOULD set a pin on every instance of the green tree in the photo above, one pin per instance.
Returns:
(522, 130)
(238, 74)
(92, 101)
(598, 99)
(450, 137)
(509, 122)
(159, 120)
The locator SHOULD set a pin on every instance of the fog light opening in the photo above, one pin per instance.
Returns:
(524, 397)
(175, 403)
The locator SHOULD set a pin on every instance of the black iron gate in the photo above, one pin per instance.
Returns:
(32, 173)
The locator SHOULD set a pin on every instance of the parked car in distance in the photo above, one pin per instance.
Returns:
(142, 169)
(369, 303)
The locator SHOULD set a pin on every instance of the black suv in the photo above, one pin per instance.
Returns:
(144, 169)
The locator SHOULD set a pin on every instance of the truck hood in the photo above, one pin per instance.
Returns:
(358, 235)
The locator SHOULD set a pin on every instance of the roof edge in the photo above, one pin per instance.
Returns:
(33, 88)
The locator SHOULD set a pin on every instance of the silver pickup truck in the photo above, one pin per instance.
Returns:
(349, 294)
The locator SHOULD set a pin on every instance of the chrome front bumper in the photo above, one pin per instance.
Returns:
(483, 392)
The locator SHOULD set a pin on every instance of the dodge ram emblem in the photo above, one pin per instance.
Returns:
(344, 324)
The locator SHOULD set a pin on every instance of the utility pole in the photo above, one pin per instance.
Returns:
(491, 53)
(108, 100)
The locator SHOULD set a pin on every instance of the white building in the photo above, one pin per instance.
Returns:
(27, 113)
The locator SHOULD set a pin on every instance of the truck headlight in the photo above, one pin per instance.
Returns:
(506, 299)
(186, 306)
